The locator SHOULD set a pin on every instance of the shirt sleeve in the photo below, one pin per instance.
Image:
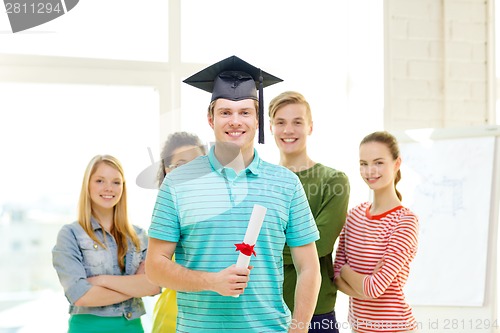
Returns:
(301, 228)
(332, 213)
(67, 260)
(143, 239)
(165, 220)
(401, 250)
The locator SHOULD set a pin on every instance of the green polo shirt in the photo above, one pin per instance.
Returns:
(327, 192)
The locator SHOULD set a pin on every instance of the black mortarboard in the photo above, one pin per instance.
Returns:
(235, 79)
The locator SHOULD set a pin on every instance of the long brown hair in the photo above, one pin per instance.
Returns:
(122, 230)
(390, 141)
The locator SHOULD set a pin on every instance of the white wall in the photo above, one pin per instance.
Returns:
(439, 63)
(439, 73)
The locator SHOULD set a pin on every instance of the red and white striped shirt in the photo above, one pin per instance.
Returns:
(363, 242)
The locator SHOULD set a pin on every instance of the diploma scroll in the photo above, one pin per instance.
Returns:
(253, 230)
(247, 247)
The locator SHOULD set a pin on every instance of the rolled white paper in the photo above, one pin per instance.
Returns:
(253, 230)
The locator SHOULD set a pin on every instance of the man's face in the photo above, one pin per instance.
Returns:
(235, 122)
(291, 127)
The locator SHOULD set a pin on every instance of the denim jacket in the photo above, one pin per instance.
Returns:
(76, 257)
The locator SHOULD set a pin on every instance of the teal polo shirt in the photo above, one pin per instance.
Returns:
(205, 208)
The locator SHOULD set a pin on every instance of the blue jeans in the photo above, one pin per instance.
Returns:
(324, 323)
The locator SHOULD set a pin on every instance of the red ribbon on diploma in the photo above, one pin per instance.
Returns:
(246, 249)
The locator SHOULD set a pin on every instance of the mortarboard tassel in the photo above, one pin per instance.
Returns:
(261, 108)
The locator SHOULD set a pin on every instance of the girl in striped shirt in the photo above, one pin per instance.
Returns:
(377, 244)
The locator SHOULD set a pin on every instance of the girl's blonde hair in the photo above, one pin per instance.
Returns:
(121, 230)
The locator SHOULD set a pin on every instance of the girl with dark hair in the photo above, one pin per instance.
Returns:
(180, 148)
(377, 244)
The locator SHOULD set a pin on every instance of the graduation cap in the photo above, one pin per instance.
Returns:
(235, 79)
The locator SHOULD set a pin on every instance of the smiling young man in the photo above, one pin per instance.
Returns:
(327, 192)
(235, 124)
(202, 212)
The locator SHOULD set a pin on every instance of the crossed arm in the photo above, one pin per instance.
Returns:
(351, 283)
(111, 289)
(99, 290)
(347, 280)
(401, 249)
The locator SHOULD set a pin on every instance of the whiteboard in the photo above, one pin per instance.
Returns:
(448, 184)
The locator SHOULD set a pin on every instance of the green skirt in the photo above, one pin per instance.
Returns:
(86, 323)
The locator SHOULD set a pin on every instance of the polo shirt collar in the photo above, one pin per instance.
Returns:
(253, 167)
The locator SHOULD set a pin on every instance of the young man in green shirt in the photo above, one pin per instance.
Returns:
(327, 191)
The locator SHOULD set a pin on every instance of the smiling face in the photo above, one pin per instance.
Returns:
(235, 122)
(105, 187)
(291, 127)
(377, 166)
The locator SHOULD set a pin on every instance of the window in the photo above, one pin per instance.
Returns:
(111, 29)
(49, 135)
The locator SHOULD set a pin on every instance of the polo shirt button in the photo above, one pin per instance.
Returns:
(129, 315)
